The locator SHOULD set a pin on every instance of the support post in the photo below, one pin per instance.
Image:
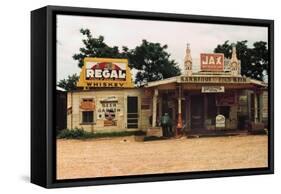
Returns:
(154, 108)
(249, 106)
(187, 109)
(179, 124)
(160, 107)
(260, 105)
(71, 124)
(256, 107)
(205, 111)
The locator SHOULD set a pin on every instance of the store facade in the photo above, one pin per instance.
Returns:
(197, 103)
(217, 98)
(106, 99)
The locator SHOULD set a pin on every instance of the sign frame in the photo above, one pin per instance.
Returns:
(212, 62)
(43, 91)
(103, 82)
(212, 89)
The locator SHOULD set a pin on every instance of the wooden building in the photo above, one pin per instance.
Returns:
(215, 99)
(107, 110)
(106, 99)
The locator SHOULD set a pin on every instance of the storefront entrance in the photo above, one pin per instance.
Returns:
(132, 112)
(197, 112)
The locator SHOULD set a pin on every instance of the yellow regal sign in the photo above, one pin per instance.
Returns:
(105, 72)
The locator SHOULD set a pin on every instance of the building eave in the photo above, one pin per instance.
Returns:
(177, 80)
(162, 82)
(258, 82)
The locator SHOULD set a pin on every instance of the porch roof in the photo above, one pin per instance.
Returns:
(209, 79)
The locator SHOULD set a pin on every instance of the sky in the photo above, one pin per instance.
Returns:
(202, 37)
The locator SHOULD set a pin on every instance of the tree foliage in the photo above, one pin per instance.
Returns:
(96, 47)
(69, 83)
(152, 62)
(254, 61)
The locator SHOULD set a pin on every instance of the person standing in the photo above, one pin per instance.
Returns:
(166, 124)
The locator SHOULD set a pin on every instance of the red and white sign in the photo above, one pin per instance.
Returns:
(212, 62)
(105, 71)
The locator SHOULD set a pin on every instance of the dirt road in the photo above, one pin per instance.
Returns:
(117, 157)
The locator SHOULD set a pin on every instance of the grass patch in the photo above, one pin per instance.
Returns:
(79, 133)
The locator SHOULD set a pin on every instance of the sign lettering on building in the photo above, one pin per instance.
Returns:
(203, 79)
(105, 72)
(210, 79)
(108, 110)
(212, 89)
(212, 62)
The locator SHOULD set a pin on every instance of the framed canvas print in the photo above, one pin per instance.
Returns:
(125, 96)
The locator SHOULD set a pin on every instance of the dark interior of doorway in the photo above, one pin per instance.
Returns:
(132, 112)
(197, 112)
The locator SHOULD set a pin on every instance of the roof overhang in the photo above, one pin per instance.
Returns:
(209, 79)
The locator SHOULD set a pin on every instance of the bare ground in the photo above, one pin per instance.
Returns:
(124, 156)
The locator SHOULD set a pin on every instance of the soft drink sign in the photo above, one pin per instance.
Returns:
(212, 62)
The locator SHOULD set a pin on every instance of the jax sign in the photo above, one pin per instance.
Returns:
(212, 62)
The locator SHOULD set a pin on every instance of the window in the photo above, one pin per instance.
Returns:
(87, 116)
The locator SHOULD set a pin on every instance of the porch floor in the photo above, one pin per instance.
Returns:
(217, 133)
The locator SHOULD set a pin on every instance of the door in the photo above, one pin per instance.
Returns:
(132, 112)
(197, 112)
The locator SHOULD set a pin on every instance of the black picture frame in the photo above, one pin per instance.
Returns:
(43, 84)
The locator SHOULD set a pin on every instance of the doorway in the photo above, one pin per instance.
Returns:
(197, 112)
(132, 112)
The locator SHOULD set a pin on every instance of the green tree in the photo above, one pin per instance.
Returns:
(152, 62)
(150, 59)
(254, 61)
(96, 47)
(69, 83)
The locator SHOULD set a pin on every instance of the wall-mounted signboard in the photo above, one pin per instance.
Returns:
(105, 72)
(214, 79)
(108, 109)
(212, 89)
(212, 62)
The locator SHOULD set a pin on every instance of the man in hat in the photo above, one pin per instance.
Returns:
(166, 124)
